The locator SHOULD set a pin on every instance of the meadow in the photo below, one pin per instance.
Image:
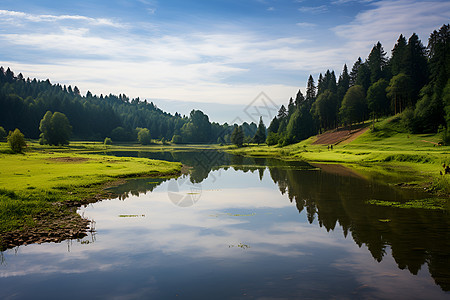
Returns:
(46, 181)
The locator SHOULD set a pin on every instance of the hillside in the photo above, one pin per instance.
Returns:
(386, 150)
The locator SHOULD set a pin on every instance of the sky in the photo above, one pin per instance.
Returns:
(214, 55)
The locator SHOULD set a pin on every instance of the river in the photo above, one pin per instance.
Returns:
(243, 228)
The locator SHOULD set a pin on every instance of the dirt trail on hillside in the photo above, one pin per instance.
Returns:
(339, 135)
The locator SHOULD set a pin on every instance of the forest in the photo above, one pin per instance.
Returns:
(414, 82)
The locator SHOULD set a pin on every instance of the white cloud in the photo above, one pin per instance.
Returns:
(7, 16)
(197, 65)
(306, 24)
(313, 9)
(339, 2)
(388, 19)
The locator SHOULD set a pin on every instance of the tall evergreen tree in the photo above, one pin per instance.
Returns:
(398, 57)
(363, 77)
(310, 90)
(343, 85)
(416, 65)
(377, 62)
(237, 136)
(354, 71)
(260, 135)
(299, 99)
(291, 107)
(282, 112)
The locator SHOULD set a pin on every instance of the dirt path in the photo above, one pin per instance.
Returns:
(338, 136)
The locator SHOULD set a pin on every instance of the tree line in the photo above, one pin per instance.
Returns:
(414, 81)
(25, 103)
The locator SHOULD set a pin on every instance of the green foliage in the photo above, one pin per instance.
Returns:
(197, 129)
(144, 136)
(2, 133)
(399, 91)
(107, 141)
(429, 203)
(377, 100)
(55, 129)
(301, 125)
(398, 58)
(363, 78)
(272, 138)
(354, 105)
(408, 120)
(377, 62)
(274, 125)
(120, 134)
(325, 109)
(237, 136)
(260, 135)
(16, 141)
(429, 112)
(176, 139)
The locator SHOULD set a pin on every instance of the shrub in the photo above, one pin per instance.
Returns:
(272, 138)
(2, 133)
(176, 139)
(107, 141)
(16, 141)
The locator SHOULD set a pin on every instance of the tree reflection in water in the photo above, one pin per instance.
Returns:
(336, 196)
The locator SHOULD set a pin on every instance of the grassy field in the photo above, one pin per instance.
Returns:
(43, 180)
(385, 150)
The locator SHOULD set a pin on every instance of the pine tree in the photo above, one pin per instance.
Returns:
(416, 65)
(237, 136)
(376, 62)
(299, 99)
(343, 85)
(282, 113)
(363, 77)
(291, 107)
(354, 71)
(398, 57)
(260, 135)
(310, 90)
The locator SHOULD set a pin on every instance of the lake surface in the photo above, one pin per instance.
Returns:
(243, 228)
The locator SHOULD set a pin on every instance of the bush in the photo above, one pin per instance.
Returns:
(408, 120)
(144, 136)
(176, 139)
(2, 133)
(446, 136)
(272, 139)
(16, 141)
(107, 141)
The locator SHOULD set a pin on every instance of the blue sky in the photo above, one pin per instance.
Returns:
(202, 52)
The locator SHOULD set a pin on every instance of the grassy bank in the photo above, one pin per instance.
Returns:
(386, 150)
(43, 182)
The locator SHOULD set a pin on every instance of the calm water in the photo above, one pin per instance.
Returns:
(243, 228)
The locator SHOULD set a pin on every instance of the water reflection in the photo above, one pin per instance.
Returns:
(337, 196)
(261, 228)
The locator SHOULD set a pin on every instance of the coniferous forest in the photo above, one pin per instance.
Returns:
(413, 81)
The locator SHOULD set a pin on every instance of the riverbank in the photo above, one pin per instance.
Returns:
(413, 160)
(40, 189)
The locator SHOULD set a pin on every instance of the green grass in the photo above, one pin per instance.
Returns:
(33, 183)
(429, 203)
